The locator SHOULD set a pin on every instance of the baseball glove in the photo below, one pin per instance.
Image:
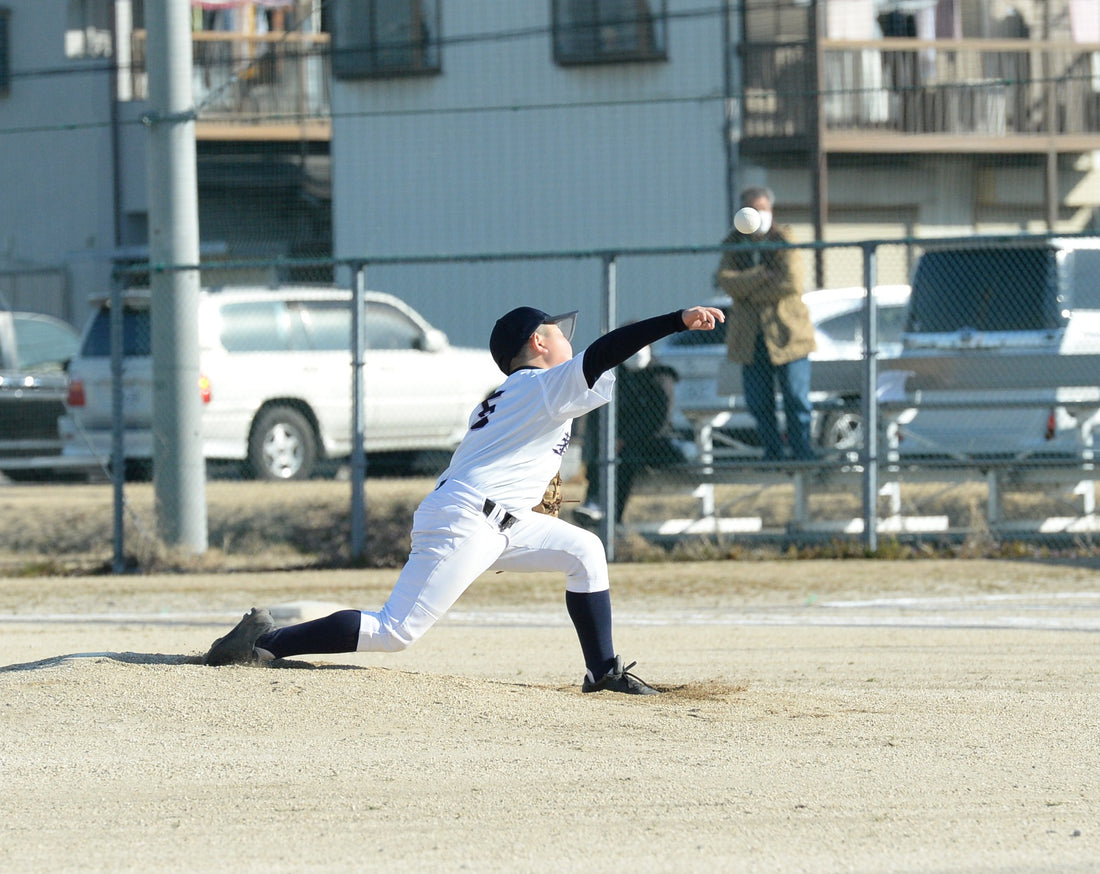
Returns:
(551, 499)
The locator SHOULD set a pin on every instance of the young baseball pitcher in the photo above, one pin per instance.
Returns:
(479, 517)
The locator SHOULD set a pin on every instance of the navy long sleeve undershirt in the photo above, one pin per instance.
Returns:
(614, 347)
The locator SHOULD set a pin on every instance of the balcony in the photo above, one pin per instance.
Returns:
(882, 96)
(269, 87)
(910, 95)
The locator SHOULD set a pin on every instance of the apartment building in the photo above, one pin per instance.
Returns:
(73, 141)
(435, 128)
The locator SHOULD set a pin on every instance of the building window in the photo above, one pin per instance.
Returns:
(380, 38)
(88, 29)
(608, 31)
(5, 56)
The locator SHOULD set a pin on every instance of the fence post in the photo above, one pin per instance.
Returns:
(608, 424)
(357, 540)
(870, 400)
(118, 430)
(179, 465)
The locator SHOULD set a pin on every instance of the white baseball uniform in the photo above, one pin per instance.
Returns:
(479, 516)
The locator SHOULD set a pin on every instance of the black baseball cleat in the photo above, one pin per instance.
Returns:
(619, 679)
(239, 646)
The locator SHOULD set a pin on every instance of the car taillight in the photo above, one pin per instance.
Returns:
(75, 397)
(1052, 425)
(204, 389)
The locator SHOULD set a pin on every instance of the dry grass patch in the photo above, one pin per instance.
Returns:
(68, 528)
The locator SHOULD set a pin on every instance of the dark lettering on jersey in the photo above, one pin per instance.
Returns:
(486, 409)
(561, 447)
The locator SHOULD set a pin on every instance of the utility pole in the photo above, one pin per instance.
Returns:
(179, 470)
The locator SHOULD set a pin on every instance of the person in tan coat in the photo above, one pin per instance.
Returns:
(769, 331)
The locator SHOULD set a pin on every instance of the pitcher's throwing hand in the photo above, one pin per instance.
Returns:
(703, 318)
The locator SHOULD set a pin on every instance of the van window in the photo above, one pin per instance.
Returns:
(326, 325)
(388, 328)
(41, 342)
(891, 322)
(848, 327)
(260, 326)
(137, 334)
(993, 289)
(1085, 279)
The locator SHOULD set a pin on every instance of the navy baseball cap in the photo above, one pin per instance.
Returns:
(515, 328)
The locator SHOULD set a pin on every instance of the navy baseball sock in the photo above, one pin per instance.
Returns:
(591, 615)
(338, 632)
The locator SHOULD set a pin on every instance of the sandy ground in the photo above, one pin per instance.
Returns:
(819, 716)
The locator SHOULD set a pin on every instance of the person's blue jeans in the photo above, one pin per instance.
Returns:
(759, 380)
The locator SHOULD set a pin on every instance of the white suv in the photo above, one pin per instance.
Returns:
(276, 380)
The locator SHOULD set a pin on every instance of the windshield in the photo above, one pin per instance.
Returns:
(136, 334)
(996, 289)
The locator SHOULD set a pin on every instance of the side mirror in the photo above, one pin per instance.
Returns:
(435, 340)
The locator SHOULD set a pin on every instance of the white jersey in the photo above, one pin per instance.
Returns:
(517, 437)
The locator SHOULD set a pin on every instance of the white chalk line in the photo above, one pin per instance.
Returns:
(1057, 611)
(158, 618)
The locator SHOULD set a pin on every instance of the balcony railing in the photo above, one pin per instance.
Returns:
(899, 95)
(907, 95)
(272, 86)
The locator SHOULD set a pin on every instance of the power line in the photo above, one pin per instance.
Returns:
(84, 66)
(481, 38)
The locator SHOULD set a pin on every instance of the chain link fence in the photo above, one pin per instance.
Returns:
(961, 407)
(535, 144)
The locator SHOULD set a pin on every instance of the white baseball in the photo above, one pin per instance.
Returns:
(747, 220)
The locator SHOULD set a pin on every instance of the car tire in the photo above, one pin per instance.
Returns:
(841, 431)
(282, 445)
(138, 470)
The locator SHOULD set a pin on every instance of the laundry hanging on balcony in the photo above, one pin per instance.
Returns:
(906, 7)
(212, 5)
(239, 16)
(1084, 26)
(854, 95)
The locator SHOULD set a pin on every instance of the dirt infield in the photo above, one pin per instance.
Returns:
(819, 716)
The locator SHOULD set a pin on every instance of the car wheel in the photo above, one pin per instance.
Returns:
(842, 431)
(138, 470)
(282, 446)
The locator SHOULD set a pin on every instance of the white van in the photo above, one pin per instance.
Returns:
(984, 300)
(276, 380)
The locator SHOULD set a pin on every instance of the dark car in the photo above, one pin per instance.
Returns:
(33, 350)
